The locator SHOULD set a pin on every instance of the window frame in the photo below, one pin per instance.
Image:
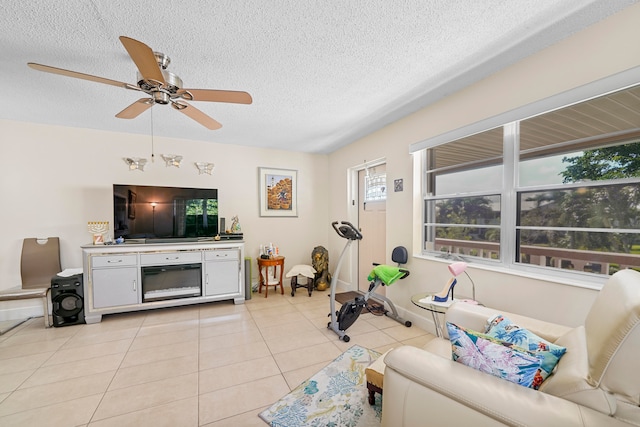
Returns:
(510, 121)
(372, 181)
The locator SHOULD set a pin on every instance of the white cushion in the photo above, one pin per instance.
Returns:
(302, 270)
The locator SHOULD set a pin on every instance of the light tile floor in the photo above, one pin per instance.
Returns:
(215, 364)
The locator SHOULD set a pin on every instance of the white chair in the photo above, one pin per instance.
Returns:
(39, 262)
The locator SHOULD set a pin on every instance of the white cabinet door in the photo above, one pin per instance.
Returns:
(115, 286)
(221, 277)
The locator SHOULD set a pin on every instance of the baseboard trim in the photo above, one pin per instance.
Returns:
(16, 310)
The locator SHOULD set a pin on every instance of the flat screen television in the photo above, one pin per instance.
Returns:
(168, 214)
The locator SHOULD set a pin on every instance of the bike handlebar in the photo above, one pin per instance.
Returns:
(347, 230)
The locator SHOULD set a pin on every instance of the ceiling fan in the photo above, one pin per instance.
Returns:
(162, 86)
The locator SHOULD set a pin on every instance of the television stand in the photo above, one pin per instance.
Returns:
(132, 277)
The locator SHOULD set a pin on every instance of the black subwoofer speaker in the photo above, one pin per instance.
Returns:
(67, 300)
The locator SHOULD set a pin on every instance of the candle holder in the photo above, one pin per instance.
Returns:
(98, 229)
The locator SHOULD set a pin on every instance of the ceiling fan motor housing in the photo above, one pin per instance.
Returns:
(173, 83)
(161, 93)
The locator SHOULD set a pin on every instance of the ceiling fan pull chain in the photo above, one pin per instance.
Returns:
(152, 149)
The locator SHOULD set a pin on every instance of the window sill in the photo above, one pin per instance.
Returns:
(577, 279)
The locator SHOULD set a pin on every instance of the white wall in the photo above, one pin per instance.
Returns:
(602, 50)
(56, 179)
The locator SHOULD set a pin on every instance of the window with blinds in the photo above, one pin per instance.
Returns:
(463, 202)
(558, 190)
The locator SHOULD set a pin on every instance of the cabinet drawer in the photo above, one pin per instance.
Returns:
(113, 261)
(170, 258)
(221, 254)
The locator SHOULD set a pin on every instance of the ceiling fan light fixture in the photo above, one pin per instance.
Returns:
(171, 160)
(204, 167)
(135, 163)
(161, 97)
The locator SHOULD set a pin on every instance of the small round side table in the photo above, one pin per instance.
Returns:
(425, 302)
(264, 263)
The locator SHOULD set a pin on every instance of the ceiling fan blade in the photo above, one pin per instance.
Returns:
(212, 95)
(135, 109)
(198, 116)
(75, 74)
(144, 59)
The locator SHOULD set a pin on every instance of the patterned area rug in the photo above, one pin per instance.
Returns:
(335, 396)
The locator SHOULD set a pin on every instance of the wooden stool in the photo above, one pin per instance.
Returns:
(264, 279)
(375, 377)
(297, 274)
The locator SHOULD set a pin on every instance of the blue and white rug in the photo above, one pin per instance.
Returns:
(334, 397)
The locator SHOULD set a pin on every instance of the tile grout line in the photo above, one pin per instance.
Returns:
(18, 389)
(116, 371)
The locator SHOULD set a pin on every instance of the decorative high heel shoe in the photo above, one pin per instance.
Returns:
(443, 295)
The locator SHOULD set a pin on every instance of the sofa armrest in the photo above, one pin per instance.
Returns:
(475, 317)
(421, 388)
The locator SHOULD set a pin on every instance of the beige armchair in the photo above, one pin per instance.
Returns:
(596, 383)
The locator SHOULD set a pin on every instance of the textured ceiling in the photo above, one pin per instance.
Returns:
(321, 73)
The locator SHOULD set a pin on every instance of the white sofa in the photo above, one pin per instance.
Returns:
(596, 383)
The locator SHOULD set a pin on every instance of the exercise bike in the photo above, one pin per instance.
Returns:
(350, 310)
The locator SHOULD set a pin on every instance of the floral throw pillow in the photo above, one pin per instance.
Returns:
(504, 329)
(495, 357)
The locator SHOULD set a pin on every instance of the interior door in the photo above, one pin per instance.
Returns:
(372, 219)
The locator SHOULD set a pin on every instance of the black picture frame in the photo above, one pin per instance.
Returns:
(132, 205)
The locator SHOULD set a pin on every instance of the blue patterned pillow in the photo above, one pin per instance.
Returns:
(492, 356)
(504, 329)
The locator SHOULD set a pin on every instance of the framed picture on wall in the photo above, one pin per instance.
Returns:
(132, 204)
(278, 192)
